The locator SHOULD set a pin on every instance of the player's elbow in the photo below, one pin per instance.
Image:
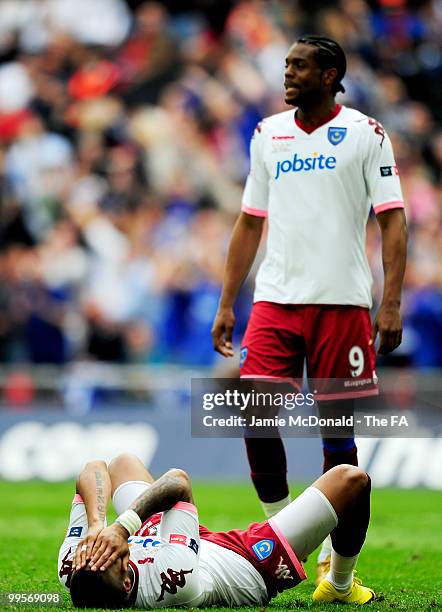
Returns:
(182, 483)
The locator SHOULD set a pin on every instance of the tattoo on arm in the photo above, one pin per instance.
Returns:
(99, 487)
(163, 494)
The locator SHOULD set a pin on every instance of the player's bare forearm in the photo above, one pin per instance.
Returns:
(172, 487)
(243, 246)
(388, 321)
(112, 542)
(94, 486)
(394, 254)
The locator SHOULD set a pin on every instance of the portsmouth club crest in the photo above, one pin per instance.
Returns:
(263, 549)
(336, 134)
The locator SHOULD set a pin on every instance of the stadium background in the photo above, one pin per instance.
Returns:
(124, 133)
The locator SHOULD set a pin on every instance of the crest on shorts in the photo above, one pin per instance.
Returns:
(336, 135)
(243, 356)
(263, 549)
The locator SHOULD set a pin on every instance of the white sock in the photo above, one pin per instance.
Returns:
(341, 571)
(272, 508)
(325, 549)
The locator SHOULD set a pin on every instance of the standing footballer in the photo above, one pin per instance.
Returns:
(316, 171)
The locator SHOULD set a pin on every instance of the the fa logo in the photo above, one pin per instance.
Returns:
(263, 549)
(336, 135)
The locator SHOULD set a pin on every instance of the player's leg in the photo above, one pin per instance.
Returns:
(272, 348)
(335, 358)
(129, 478)
(337, 503)
(268, 470)
(348, 537)
(336, 451)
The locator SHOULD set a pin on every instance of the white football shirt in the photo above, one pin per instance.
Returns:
(317, 187)
(173, 566)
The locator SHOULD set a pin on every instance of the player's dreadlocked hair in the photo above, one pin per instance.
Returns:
(328, 55)
(96, 590)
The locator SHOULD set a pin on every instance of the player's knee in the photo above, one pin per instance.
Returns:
(355, 479)
(122, 463)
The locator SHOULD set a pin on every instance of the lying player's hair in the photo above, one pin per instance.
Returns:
(97, 590)
(329, 54)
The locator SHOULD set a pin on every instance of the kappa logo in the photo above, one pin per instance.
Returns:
(172, 581)
(263, 549)
(336, 135)
(282, 571)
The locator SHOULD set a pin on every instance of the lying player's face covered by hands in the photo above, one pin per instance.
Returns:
(110, 546)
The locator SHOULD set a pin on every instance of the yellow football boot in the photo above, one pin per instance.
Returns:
(358, 594)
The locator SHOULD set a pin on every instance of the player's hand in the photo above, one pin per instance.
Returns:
(84, 549)
(222, 331)
(388, 324)
(110, 545)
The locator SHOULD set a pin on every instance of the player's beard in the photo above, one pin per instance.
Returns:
(306, 99)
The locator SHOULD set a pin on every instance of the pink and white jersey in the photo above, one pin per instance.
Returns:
(171, 566)
(316, 186)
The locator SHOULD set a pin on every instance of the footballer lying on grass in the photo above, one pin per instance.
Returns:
(152, 560)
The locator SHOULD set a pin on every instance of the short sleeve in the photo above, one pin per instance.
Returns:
(256, 191)
(177, 561)
(380, 170)
(75, 533)
(180, 526)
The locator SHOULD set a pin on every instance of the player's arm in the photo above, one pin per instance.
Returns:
(162, 495)
(243, 246)
(388, 321)
(94, 486)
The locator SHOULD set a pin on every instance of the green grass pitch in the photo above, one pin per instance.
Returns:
(402, 558)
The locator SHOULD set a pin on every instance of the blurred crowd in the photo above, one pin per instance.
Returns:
(124, 139)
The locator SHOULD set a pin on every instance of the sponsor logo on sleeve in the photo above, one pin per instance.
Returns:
(177, 538)
(75, 532)
(263, 549)
(336, 135)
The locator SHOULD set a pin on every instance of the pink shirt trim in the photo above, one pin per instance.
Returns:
(294, 559)
(188, 507)
(388, 206)
(256, 212)
(77, 499)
